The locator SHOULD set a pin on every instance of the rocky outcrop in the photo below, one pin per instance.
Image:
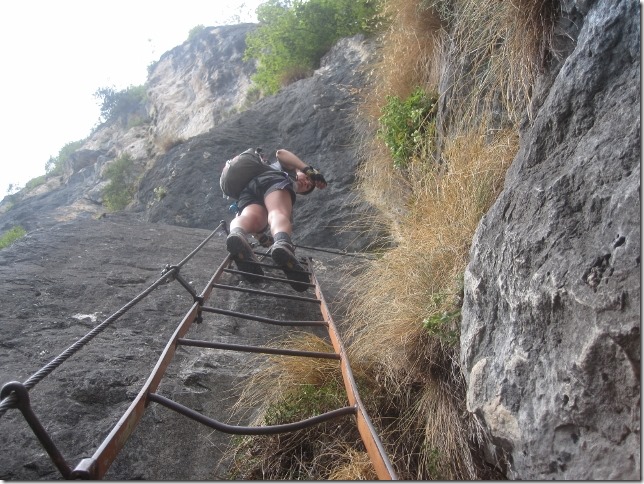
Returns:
(551, 318)
(191, 89)
(313, 117)
(200, 83)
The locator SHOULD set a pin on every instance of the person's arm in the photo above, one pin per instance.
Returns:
(290, 161)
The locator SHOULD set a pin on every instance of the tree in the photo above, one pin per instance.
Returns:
(120, 105)
(54, 165)
(295, 34)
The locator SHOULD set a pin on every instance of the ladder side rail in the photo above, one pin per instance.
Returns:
(96, 466)
(375, 449)
(214, 280)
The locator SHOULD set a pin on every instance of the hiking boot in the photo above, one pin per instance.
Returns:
(282, 254)
(243, 255)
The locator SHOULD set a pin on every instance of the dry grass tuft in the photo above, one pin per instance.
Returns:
(419, 280)
(166, 142)
(409, 53)
(499, 48)
(357, 467)
(278, 375)
(482, 57)
(395, 295)
(408, 59)
(289, 389)
(294, 74)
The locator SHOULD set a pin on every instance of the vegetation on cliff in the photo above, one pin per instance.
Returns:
(119, 191)
(10, 236)
(126, 105)
(293, 35)
(482, 57)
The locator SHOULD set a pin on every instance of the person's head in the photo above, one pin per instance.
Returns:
(304, 185)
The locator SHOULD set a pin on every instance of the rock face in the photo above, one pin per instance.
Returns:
(198, 84)
(551, 318)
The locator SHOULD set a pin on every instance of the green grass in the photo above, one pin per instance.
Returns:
(11, 235)
(407, 126)
(120, 191)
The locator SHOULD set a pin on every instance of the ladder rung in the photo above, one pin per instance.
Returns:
(242, 430)
(301, 260)
(273, 266)
(256, 349)
(262, 319)
(268, 278)
(267, 293)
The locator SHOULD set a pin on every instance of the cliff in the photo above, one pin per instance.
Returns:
(551, 318)
(550, 336)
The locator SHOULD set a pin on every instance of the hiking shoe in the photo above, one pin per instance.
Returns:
(243, 255)
(282, 254)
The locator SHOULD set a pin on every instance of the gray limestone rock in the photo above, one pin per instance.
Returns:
(551, 318)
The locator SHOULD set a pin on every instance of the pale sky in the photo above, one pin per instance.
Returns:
(56, 53)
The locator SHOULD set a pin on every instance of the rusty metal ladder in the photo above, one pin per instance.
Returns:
(97, 466)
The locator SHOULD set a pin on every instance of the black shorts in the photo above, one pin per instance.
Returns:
(262, 185)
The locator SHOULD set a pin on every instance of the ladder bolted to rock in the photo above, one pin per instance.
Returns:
(15, 394)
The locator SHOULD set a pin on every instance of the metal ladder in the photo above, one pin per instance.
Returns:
(97, 466)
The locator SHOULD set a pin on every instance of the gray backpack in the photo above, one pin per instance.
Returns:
(240, 170)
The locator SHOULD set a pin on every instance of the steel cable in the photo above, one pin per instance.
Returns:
(11, 400)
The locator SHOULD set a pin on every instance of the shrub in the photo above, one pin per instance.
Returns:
(119, 192)
(408, 126)
(11, 235)
(295, 34)
(195, 31)
(160, 193)
(35, 182)
(166, 142)
(54, 165)
(120, 105)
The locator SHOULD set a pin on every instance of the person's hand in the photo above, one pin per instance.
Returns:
(315, 176)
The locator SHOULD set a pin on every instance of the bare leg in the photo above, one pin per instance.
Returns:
(279, 207)
(279, 217)
(252, 219)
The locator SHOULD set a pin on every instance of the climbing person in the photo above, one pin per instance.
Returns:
(266, 201)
